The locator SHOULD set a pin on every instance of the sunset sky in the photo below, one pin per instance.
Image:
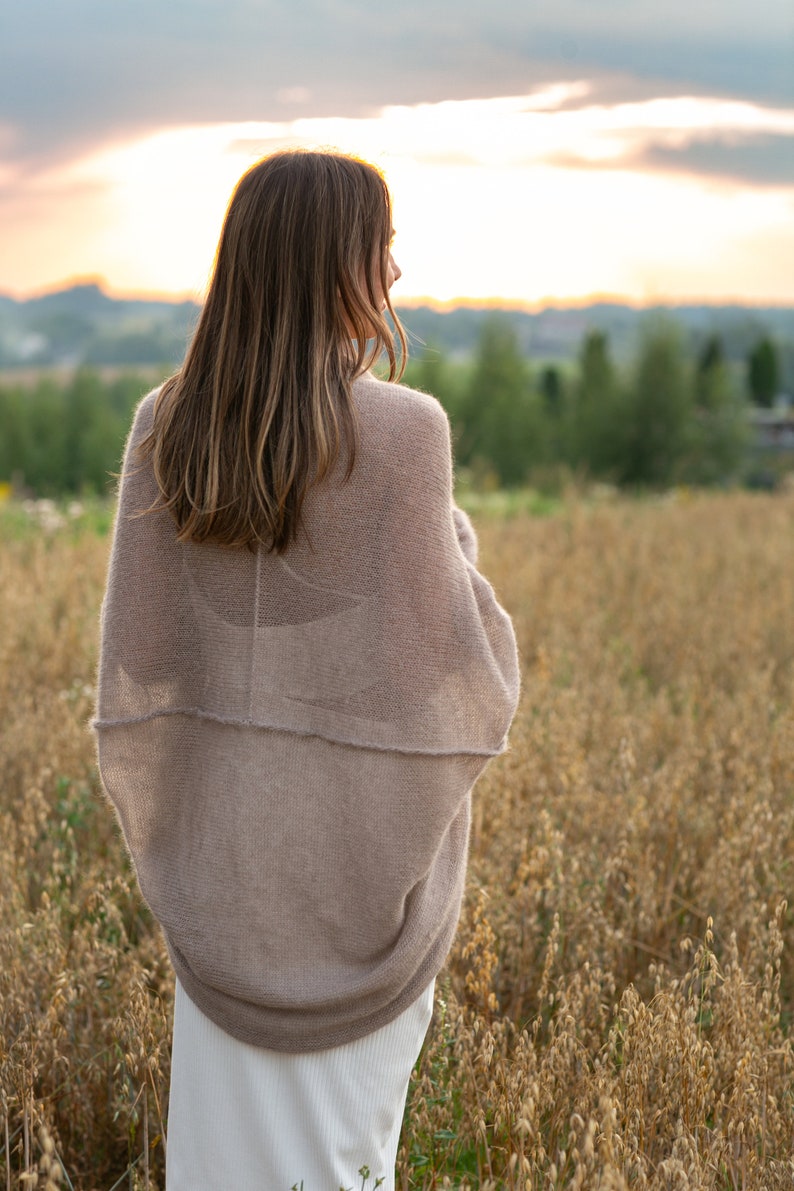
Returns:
(536, 151)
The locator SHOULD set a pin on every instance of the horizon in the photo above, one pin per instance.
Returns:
(410, 302)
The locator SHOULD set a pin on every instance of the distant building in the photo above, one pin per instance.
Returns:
(773, 429)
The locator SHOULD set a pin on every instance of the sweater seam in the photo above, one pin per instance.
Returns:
(238, 722)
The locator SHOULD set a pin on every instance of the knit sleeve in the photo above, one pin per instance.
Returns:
(456, 646)
(467, 538)
(144, 612)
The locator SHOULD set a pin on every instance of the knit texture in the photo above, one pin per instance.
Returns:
(290, 740)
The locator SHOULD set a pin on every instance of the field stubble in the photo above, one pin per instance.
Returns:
(617, 1008)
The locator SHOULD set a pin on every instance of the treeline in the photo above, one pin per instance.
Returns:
(66, 437)
(671, 416)
(668, 417)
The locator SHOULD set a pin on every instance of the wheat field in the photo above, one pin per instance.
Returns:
(616, 1011)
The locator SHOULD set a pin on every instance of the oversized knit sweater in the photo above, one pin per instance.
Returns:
(290, 741)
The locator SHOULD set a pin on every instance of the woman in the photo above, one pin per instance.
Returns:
(302, 674)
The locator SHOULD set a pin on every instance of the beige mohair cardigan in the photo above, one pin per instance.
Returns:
(290, 740)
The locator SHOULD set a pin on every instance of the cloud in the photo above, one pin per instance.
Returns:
(735, 141)
(567, 127)
(75, 73)
(759, 161)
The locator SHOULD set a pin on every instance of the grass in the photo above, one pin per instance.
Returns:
(617, 1008)
(72, 517)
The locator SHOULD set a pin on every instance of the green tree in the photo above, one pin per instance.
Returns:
(94, 433)
(551, 386)
(502, 425)
(763, 372)
(596, 417)
(56, 439)
(433, 373)
(659, 412)
(721, 428)
(124, 392)
(710, 357)
(44, 467)
(14, 433)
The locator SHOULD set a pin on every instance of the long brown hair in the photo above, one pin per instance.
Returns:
(262, 407)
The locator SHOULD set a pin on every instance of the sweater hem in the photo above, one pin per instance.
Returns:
(255, 1026)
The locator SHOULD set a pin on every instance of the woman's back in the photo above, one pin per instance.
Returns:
(318, 718)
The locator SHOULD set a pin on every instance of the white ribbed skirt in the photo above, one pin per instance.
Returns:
(244, 1118)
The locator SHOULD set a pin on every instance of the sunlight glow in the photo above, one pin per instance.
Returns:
(525, 198)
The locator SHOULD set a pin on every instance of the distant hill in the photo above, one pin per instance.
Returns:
(83, 325)
(554, 333)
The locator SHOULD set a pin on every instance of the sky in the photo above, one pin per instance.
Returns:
(537, 150)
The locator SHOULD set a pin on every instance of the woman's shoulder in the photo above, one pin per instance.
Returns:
(389, 410)
(142, 420)
(144, 411)
(369, 388)
(403, 437)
